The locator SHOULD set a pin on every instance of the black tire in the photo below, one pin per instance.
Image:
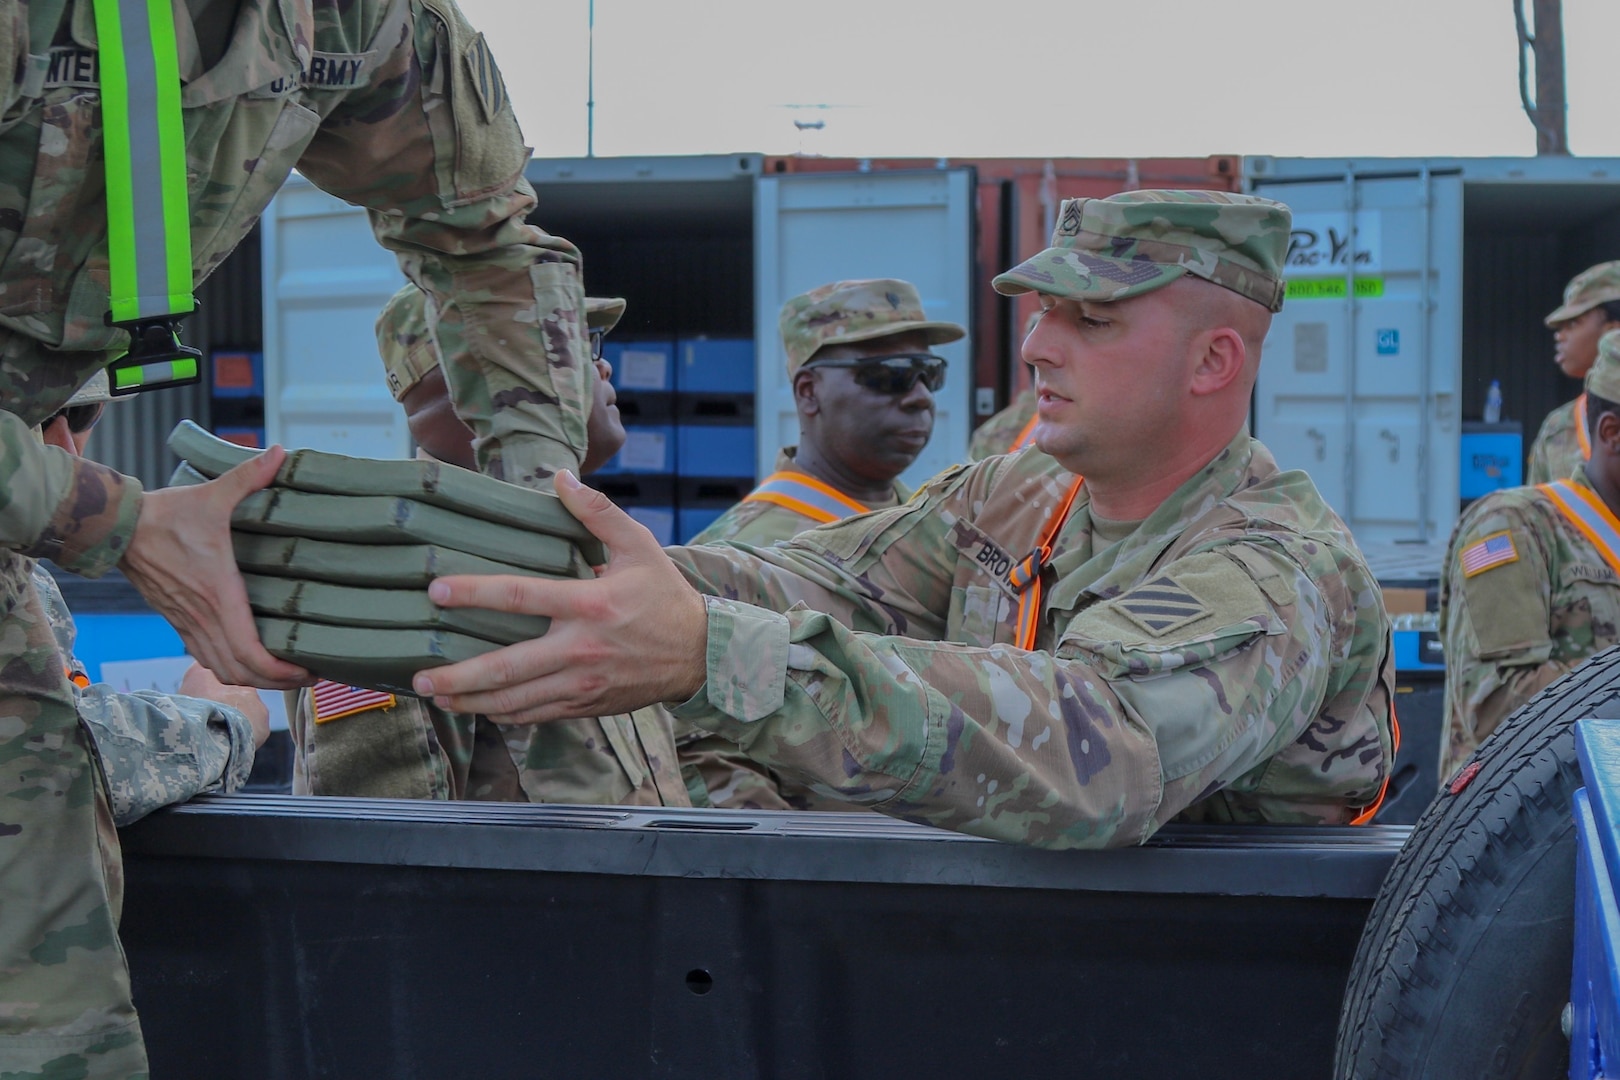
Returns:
(1463, 969)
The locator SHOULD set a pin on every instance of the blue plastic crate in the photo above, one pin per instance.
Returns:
(237, 374)
(648, 449)
(660, 521)
(1491, 461)
(643, 366)
(715, 450)
(695, 520)
(1418, 650)
(715, 365)
(123, 637)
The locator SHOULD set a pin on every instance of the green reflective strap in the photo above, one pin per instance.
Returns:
(148, 211)
(155, 375)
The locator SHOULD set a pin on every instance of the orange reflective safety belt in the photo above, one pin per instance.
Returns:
(1025, 437)
(804, 494)
(1026, 575)
(1581, 433)
(75, 676)
(1370, 812)
(1586, 510)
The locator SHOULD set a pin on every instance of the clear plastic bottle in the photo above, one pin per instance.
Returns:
(1493, 403)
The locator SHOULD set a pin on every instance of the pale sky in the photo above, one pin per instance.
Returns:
(1058, 78)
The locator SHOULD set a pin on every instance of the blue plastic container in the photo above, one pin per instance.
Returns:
(715, 450)
(1491, 459)
(647, 449)
(123, 637)
(695, 520)
(660, 521)
(715, 365)
(643, 366)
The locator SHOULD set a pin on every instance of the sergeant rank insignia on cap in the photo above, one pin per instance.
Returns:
(1495, 550)
(334, 700)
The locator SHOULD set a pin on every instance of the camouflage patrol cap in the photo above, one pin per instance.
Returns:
(849, 312)
(1593, 286)
(96, 389)
(1137, 241)
(409, 351)
(1604, 378)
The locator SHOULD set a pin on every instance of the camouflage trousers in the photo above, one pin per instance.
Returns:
(65, 1007)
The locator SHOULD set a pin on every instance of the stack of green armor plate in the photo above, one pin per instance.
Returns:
(338, 552)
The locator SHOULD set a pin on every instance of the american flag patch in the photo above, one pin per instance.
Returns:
(334, 700)
(1495, 550)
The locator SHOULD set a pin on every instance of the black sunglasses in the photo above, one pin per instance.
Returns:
(895, 374)
(80, 418)
(596, 343)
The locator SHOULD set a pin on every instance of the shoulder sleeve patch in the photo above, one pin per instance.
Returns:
(1161, 606)
(1494, 550)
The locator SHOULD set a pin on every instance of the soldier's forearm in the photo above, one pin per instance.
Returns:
(74, 511)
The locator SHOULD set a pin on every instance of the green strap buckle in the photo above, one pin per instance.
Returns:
(148, 205)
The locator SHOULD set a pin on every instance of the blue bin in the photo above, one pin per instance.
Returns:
(660, 521)
(1492, 459)
(123, 637)
(1418, 650)
(715, 365)
(696, 520)
(642, 366)
(715, 450)
(647, 449)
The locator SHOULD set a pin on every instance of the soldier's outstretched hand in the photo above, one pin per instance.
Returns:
(635, 635)
(180, 559)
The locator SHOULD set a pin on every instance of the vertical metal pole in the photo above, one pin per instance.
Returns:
(1552, 111)
(1351, 201)
(590, 79)
(1425, 376)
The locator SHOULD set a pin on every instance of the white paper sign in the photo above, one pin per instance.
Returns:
(643, 370)
(643, 451)
(1321, 243)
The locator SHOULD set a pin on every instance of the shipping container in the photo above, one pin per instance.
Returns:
(705, 249)
(1413, 283)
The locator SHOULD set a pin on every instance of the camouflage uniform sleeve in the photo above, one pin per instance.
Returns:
(433, 151)
(73, 511)
(157, 749)
(1536, 470)
(1096, 744)
(1496, 626)
(718, 774)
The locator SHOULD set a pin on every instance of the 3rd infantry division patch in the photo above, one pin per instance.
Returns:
(1495, 550)
(1161, 606)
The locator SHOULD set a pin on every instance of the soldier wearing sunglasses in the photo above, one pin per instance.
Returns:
(155, 749)
(864, 384)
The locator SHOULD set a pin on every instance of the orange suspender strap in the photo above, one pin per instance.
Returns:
(1587, 511)
(1025, 437)
(75, 676)
(1371, 812)
(1581, 433)
(804, 494)
(1026, 575)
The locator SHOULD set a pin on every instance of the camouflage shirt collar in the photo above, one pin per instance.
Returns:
(1082, 570)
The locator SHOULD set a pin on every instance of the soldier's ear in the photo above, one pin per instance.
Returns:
(1608, 431)
(804, 392)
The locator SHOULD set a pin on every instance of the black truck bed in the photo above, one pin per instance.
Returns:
(278, 937)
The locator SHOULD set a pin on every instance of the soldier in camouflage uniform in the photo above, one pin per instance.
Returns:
(1531, 587)
(1193, 634)
(154, 749)
(1591, 308)
(383, 746)
(395, 105)
(854, 442)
